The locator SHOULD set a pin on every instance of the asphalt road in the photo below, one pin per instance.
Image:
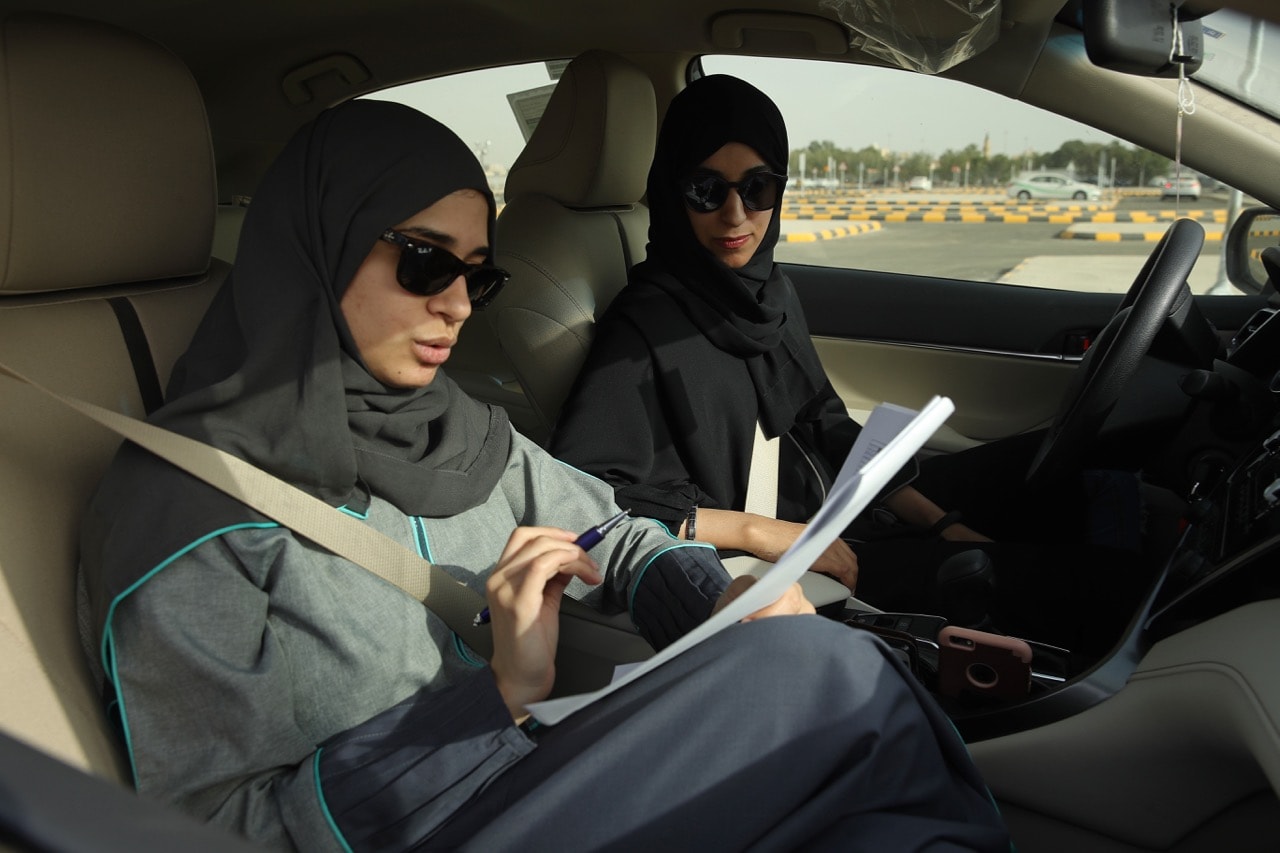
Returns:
(1029, 253)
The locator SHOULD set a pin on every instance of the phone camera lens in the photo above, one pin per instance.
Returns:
(982, 675)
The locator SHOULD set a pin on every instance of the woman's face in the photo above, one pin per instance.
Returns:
(404, 338)
(732, 233)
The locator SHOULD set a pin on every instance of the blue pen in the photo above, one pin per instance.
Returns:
(588, 540)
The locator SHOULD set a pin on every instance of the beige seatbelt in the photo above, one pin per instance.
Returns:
(762, 499)
(762, 479)
(308, 516)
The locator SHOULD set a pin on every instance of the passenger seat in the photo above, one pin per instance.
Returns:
(572, 227)
(105, 270)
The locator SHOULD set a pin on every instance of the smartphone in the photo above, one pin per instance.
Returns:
(978, 662)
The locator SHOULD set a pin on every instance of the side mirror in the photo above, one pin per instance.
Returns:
(1255, 230)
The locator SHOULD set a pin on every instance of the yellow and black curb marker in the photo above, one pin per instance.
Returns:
(1118, 236)
(831, 233)
(999, 214)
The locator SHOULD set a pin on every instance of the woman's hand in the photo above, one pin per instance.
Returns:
(840, 562)
(767, 538)
(791, 603)
(524, 594)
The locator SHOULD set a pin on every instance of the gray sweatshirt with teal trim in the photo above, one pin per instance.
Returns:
(274, 688)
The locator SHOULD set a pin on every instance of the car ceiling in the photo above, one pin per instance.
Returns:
(247, 79)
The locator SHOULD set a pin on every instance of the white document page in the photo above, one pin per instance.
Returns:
(885, 421)
(891, 436)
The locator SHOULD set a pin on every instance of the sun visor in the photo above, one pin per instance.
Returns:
(920, 35)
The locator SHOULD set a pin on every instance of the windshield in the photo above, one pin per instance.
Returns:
(1242, 59)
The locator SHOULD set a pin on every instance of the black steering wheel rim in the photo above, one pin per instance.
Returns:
(1115, 356)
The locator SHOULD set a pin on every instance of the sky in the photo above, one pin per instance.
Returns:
(898, 110)
(852, 106)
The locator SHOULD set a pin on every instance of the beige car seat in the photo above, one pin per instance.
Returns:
(571, 228)
(107, 171)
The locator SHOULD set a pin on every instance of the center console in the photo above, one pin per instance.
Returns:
(1230, 554)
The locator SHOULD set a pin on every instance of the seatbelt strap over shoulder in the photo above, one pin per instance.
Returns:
(762, 481)
(308, 516)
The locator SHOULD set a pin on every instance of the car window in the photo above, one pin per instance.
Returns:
(1015, 194)
(493, 109)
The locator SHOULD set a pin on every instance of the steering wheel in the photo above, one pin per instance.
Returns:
(1114, 357)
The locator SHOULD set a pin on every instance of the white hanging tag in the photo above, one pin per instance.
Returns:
(1186, 107)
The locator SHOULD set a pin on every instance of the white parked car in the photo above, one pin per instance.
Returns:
(1051, 185)
(1180, 186)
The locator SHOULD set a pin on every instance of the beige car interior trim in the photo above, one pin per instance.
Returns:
(1202, 707)
(995, 396)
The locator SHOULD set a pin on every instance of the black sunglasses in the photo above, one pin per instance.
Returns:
(759, 191)
(425, 270)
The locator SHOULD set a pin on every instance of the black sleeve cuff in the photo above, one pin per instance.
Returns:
(676, 593)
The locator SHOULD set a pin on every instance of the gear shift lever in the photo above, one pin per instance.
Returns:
(965, 589)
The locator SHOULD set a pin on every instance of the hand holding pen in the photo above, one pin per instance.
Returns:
(586, 541)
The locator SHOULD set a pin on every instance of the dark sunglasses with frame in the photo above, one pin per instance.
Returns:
(706, 192)
(425, 270)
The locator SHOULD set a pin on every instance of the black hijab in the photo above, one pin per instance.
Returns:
(744, 312)
(273, 374)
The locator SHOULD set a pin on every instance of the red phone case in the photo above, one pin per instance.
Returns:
(978, 662)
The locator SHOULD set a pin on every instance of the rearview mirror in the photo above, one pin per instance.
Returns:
(1255, 230)
(1137, 36)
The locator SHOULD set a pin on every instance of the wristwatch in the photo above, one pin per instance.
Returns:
(691, 523)
(946, 521)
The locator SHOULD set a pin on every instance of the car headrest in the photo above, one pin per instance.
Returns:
(106, 163)
(593, 145)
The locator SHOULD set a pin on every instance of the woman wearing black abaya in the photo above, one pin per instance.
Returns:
(709, 336)
(278, 690)
(724, 343)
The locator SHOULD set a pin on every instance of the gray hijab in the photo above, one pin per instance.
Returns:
(273, 375)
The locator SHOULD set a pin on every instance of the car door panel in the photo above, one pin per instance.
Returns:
(1003, 353)
(995, 395)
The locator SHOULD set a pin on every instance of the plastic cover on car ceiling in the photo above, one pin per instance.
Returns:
(920, 35)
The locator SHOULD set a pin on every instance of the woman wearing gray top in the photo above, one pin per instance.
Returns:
(274, 688)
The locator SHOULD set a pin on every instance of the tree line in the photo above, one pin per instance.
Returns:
(968, 167)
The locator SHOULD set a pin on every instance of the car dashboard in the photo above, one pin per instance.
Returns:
(1227, 551)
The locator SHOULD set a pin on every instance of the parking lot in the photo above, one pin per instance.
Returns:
(986, 236)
